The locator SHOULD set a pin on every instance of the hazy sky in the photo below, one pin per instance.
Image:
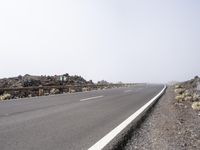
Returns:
(115, 40)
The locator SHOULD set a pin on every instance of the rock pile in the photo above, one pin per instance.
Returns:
(104, 82)
(189, 92)
(38, 81)
(29, 81)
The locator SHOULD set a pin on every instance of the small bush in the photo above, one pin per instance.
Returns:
(196, 105)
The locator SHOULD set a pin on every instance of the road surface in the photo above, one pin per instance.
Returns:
(68, 121)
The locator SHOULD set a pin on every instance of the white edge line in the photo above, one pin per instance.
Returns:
(112, 134)
(85, 99)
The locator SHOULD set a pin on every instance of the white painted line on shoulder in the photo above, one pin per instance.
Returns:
(112, 134)
(90, 98)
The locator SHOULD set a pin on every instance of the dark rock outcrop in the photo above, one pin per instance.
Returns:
(40, 82)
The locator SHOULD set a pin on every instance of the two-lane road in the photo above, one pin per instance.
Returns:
(68, 121)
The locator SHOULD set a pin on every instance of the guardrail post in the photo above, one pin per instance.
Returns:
(46, 90)
(41, 91)
(71, 89)
(65, 89)
(84, 89)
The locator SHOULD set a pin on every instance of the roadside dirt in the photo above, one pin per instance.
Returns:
(168, 126)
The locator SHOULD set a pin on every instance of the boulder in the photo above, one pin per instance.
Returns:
(54, 91)
(35, 81)
(31, 82)
(5, 96)
(177, 86)
(187, 93)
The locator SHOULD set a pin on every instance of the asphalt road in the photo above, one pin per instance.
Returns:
(68, 121)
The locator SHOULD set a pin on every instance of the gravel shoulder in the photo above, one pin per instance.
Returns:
(168, 126)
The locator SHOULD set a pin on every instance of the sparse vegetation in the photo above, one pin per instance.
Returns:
(196, 105)
(189, 92)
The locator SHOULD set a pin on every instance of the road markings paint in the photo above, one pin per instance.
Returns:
(127, 91)
(112, 134)
(90, 98)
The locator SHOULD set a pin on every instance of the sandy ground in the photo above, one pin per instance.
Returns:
(168, 126)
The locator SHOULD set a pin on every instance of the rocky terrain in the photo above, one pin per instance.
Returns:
(38, 81)
(173, 123)
(189, 92)
(29, 80)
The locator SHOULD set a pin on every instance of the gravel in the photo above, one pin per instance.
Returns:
(168, 126)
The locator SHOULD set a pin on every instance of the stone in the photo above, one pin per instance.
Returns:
(177, 86)
(188, 98)
(46, 94)
(187, 93)
(198, 86)
(54, 91)
(84, 89)
(196, 97)
(71, 90)
(36, 81)
(5, 96)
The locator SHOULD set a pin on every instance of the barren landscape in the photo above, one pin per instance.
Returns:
(99, 75)
(29, 85)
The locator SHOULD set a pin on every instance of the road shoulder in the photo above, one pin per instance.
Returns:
(169, 125)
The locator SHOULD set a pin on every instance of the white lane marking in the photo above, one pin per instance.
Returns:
(112, 134)
(127, 91)
(86, 99)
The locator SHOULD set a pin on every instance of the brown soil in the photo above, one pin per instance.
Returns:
(169, 126)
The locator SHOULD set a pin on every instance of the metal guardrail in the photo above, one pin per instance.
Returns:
(69, 88)
(63, 87)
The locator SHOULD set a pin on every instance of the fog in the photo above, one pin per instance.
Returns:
(116, 40)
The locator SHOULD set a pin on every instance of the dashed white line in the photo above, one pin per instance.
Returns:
(127, 91)
(90, 98)
(112, 134)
